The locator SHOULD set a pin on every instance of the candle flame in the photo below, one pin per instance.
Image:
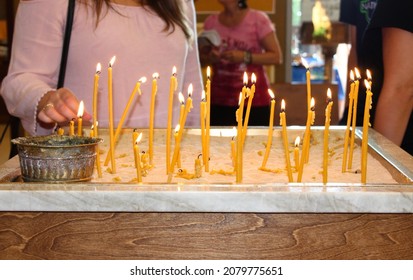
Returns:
(142, 80)
(329, 95)
(312, 104)
(367, 84)
(240, 98)
(81, 109)
(174, 70)
(283, 105)
(98, 68)
(203, 95)
(305, 63)
(245, 78)
(253, 78)
(177, 128)
(181, 98)
(155, 75)
(97, 123)
(351, 75)
(271, 93)
(368, 74)
(190, 90)
(92, 127)
(297, 141)
(138, 139)
(356, 70)
(112, 61)
(208, 72)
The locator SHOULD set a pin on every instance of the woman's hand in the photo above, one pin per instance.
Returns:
(58, 106)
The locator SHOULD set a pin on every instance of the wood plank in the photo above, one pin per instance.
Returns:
(39, 235)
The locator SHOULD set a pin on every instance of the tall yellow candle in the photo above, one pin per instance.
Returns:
(79, 118)
(270, 129)
(72, 127)
(203, 123)
(172, 88)
(240, 112)
(98, 166)
(249, 104)
(308, 82)
(208, 118)
(182, 107)
(326, 135)
(347, 133)
(354, 120)
(124, 114)
(138, 158)
(95, 96)
(297, 153)
(306, 140)
(111, 124)
(285, 141)
(155, 78)
(365, 139)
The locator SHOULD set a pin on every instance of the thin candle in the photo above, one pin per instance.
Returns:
(297, 153)
(270, 129)
(365, 139)
(95, 96)
(354, 120)
(285, 141)
(172, 87)
(249, 104)
(208, 118)
(326, 135)
(347, 133)
(79, 118)
(138, 158)
(239, 113)
(203, 123)
(98, 166)
(155, 78)
(72, 127)
(306, 140)
(136, 89)
(111, 124)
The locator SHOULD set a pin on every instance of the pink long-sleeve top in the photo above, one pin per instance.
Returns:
(133, 34)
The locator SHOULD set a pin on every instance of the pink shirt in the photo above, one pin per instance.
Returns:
(135, 36)
(227, 79)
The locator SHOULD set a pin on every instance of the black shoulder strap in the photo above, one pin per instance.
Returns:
(66, 42)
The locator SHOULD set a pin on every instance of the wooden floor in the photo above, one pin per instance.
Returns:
(38, 235)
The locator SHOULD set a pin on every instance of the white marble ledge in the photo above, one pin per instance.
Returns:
(297, 198)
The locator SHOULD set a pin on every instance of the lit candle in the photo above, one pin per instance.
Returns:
(176, 134)
(233, 148)
(135, 135)
(180, 129)
(308, 82)
(155, 78)
(172, 87)
(181, 99)
(138, 158)
(203, 132)
(353, 125)
(79, 118)
(91, 133)
(297, 153)
(208, 117)
(124, 114)
(95, 96)
(249, 104)
(270, 129)
(240, 112)
(110, 103)
(365, 139)
(306, 141)
(285, 141)
(347, 133)
(72, 127)
(326, 135)
(98, 166)
(175, 155)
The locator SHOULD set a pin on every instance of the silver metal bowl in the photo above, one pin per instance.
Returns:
(56, 158)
